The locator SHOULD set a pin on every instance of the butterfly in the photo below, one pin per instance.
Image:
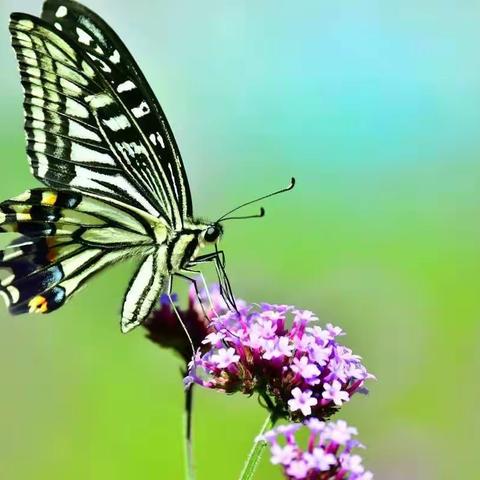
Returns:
(116, 185)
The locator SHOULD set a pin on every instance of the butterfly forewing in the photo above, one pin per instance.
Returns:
(86, 29)
(69, 111)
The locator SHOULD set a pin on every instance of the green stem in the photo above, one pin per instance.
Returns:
(256, 452)
(189, 467)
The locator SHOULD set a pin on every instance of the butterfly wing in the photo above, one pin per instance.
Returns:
(83, 133)
(86, 29)
(144, 290)
(66, 238)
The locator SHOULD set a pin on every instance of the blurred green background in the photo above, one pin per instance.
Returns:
(375, 107)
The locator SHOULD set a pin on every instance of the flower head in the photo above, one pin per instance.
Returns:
(327, 454)
(297, 367)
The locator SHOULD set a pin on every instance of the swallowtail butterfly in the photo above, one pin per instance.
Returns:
(115, 182)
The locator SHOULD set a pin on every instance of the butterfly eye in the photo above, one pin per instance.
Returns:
(212, 233)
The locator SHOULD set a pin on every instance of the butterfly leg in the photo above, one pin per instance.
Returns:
(172, 303)
(225, 287)
(195, 286)
(218, 257)
(221, 254)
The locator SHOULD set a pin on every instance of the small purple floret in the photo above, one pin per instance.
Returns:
(302, 401)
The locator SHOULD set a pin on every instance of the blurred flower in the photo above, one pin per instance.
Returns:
(327, 454)
(165, 329)
(298, 368)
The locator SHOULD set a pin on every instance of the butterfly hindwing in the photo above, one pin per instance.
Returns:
(144, 290)
(66, 238)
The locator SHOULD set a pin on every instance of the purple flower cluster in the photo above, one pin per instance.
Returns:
(298, 368)
(328, 453)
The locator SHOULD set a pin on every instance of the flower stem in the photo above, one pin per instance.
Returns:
(256, 452)
(189, 467)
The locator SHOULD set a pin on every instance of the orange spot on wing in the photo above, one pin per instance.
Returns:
(49, 198)
(38, 304)
(52, 252)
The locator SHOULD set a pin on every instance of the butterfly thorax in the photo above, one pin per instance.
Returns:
(184, 245)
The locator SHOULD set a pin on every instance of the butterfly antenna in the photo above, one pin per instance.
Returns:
(262, 211)
(257, 215)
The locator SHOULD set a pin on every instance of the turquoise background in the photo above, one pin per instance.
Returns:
(375, 107)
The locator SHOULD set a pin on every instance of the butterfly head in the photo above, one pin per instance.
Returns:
(212, 233)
